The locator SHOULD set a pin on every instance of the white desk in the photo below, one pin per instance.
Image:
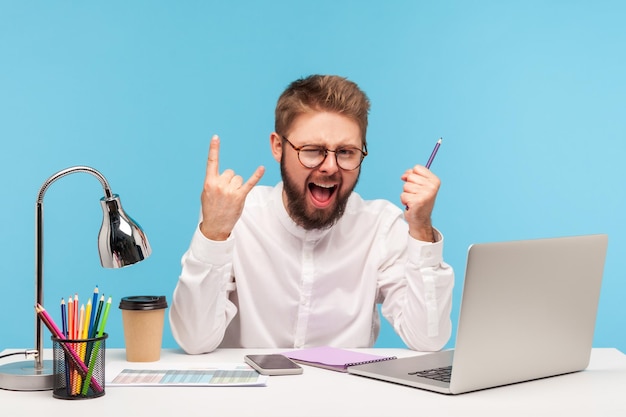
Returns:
(598, 391)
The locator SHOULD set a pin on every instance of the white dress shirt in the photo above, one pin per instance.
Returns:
(273, 284)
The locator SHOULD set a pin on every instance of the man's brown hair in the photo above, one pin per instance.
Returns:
(322, 93)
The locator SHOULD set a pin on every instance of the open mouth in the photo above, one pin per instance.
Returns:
(322, 194)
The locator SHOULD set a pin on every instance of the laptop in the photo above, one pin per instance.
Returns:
(528, 311)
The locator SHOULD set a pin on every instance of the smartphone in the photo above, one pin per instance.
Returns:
(273, 364)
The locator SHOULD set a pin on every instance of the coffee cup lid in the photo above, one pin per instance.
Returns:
(143, 302)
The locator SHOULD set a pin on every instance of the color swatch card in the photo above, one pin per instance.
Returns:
(226, 374)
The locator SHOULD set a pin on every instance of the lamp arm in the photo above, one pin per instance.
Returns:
(71, 170)
(39, 246)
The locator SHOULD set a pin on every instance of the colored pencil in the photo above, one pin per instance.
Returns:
(105, 316)
(63, 317)
(80, 347)
(81, 322)
(96, 348)
(64, 329)
(94, 327)
(70, 317)
(85, 333)
(70, 335)
(97, 318)
(92, 316)
(76, 319)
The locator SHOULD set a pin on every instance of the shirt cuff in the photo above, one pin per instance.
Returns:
(426, 254)
(211, 251)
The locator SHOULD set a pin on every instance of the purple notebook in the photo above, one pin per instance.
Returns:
(333, 358)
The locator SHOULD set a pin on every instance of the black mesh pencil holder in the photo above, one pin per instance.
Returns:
(78, 367)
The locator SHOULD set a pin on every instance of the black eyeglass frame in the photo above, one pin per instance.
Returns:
(326, 150)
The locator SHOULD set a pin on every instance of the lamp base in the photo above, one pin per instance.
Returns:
(22, 376)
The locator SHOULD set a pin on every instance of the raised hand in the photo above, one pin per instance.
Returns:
(419, 194)
(223, 196)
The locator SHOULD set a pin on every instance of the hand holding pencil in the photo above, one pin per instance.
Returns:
(418, 196)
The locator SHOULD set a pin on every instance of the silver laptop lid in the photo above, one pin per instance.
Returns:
(528, 310)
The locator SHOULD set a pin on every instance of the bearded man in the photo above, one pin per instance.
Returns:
(306, 262)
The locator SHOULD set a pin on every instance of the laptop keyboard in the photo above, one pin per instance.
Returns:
(439, 374)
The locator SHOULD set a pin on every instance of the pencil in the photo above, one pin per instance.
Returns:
(94, 329)
(105, 316)
(70, 335)
(54, 329)
(70, 317)
(81, 347)
(432, 155)
(81, 322)
(96, 348)
(63, 317)
(92, 316)
(64, 329)
(431, 158)
(76, 318)
(77, 381)
(78, 347)
(84, 347)
(86, 325)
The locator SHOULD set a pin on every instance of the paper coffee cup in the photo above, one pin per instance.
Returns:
(143, 317)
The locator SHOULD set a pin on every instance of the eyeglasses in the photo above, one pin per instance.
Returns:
(348, 158)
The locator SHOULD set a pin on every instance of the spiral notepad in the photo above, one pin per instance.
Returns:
(332, 358)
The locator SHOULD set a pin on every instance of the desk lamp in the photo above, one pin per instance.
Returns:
(121, 242)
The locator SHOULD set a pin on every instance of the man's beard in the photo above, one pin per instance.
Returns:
(297, 207)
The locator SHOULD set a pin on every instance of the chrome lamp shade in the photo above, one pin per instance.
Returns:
(121, 242)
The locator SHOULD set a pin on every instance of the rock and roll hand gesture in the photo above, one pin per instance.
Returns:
(223, 195)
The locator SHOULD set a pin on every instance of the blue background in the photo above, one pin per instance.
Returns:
(529, 98)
